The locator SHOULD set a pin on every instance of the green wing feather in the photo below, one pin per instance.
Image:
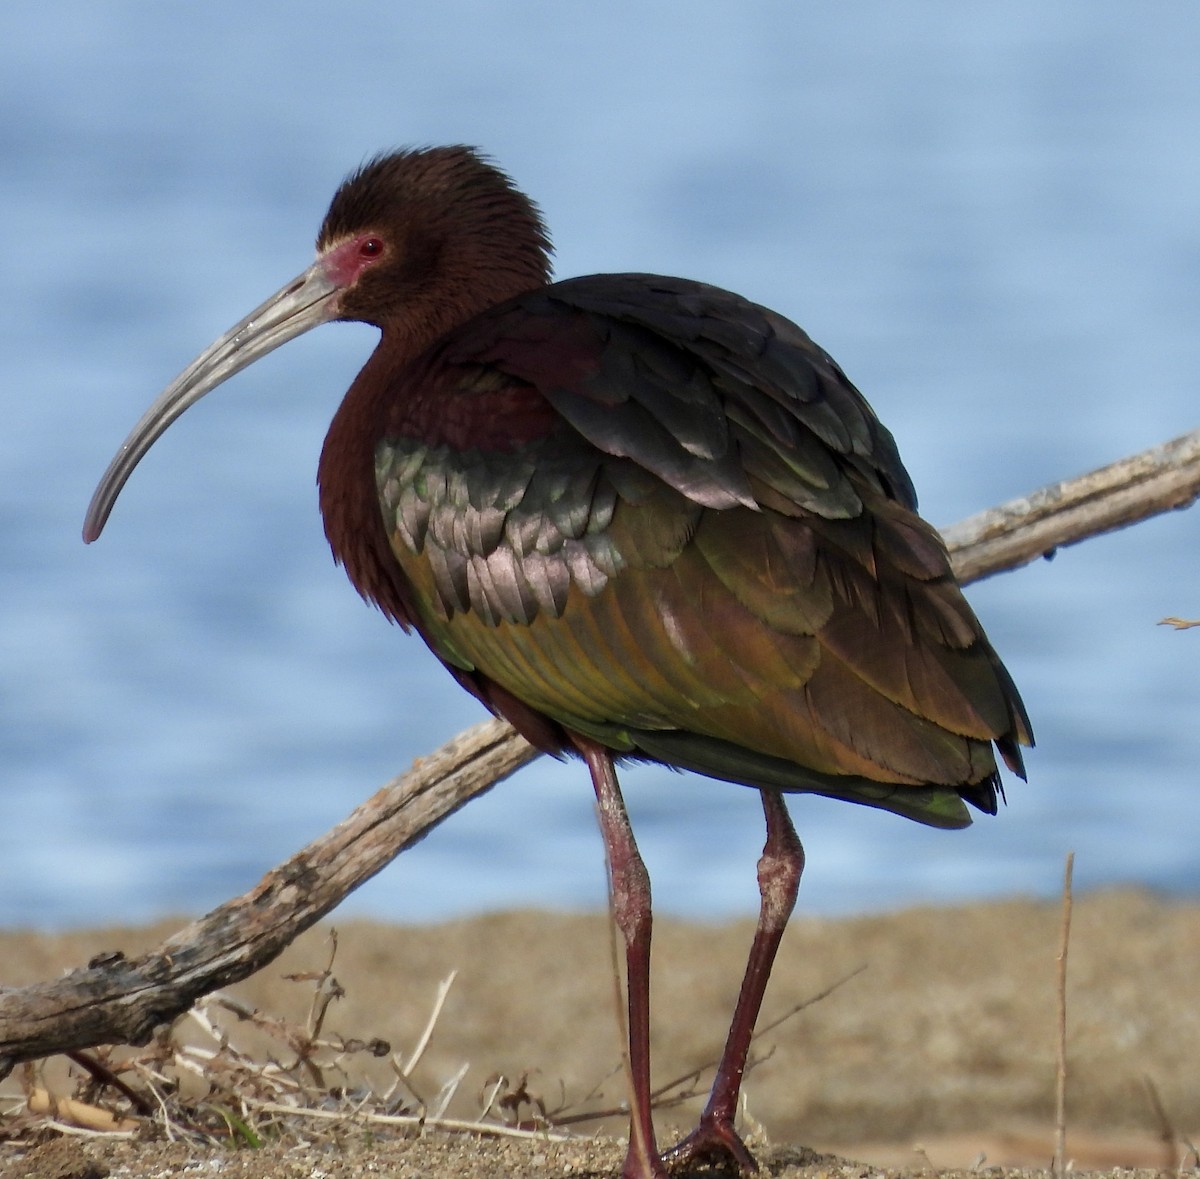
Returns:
(713, 560)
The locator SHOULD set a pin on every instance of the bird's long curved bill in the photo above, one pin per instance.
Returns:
(308, 300)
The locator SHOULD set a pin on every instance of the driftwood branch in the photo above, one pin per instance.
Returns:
(1133, 489)
(117, 1000)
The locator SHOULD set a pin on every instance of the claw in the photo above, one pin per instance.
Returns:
(714, 1142)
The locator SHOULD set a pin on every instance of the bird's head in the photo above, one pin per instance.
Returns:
(436, 233)
(414, 242)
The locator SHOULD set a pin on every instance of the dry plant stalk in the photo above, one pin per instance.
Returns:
(687, 1085)
(1060, 1079)
(214, 1088)
(1165, 1127)
(120, 1001)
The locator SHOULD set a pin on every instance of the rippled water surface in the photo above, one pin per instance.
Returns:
(989, 214)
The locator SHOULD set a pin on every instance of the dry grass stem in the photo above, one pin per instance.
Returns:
(685, 1086)
(411, 1122)
(201, 1081)
(439, 1002)
(1060, 1079)
(1164, 1125)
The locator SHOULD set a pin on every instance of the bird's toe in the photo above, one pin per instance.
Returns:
(714, 1142)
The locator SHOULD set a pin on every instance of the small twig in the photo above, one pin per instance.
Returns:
(69, 1130)
(167, 1123)
(446, 1095)
(389, 1098)
(759, 1032)
(597, 1089)
(448, 1125)
(1195, 1153)
(427, 1034)
(491, 1093)
(326, 991)
(809, 1002)
(1166, 1129)
(1060, 1087)
(103, 1075)
(658, 1096)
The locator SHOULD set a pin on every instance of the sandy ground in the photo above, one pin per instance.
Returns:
(939, 1052)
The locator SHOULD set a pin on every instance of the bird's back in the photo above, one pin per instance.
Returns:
(654, 513)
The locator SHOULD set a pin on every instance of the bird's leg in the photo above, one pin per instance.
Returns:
(779, 871)
(630, 888)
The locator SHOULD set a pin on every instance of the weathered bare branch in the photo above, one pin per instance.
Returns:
(118, 1000)
(1017, 532)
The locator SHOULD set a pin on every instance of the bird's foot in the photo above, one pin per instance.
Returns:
(642, 1164)
(713, 1141)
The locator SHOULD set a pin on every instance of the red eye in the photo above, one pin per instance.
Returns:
(370, 247)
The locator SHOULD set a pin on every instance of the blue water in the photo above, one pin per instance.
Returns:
(989, 214)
